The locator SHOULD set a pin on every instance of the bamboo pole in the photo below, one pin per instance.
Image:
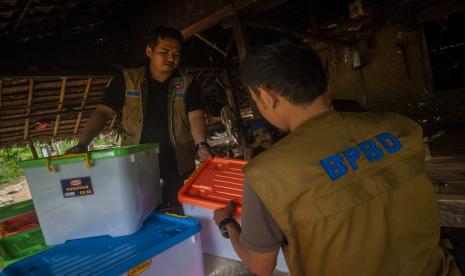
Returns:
(83, 103)
(28, 110)
(1, 92)
(60, 107)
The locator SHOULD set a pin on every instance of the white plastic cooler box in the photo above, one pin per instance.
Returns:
(215, 183)
(104, 192)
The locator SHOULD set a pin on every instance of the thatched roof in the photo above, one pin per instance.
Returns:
(41, 108)
(34, 108)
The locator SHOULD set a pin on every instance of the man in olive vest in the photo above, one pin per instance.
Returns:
(343, 193)
(156, 105)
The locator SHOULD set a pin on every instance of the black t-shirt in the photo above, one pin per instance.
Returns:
(155, 128)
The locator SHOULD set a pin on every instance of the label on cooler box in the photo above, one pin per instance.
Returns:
(72, 187)
(140, 268)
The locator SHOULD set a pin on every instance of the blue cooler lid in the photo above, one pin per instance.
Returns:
(106, 255)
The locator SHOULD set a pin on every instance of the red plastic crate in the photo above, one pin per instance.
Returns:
(215, 183)
(18, 224)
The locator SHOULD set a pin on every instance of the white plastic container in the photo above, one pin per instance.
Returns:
(185, 258)
(106, 192)
(212, 185)
(164, 246)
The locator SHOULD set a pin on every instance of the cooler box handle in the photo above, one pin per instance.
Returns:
(86, 156)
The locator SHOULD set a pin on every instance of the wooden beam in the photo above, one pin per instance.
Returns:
(60, 107)
(78, 122)
(242, 45)
(198, 74)
(240, 35)
(1, 92)
(112, 124)
(218, 16)
(28, 109)
(33, 149)
(207, 78)
(45, 114)
(83, 103)
(312, 15)
(303, 35)
(211, 44)
(452, 210)
(21, 16)
(442, 9)
(207, 22)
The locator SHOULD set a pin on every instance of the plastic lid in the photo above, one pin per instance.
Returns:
(16, 209)
(215, 183)
(98, 154)
(18, 224)
(105, 255)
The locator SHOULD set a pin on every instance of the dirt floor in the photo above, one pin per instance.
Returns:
(14, 192)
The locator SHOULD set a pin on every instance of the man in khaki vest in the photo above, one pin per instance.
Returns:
(344, 193)
(156, 105)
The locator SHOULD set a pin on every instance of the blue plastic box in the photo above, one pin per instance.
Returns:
(165, 245)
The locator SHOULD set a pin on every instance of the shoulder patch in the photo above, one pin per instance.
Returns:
(132, 93)
(179, 84)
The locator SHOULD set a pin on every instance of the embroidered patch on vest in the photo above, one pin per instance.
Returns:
(336, 166)
(178, 86)
(133, 93)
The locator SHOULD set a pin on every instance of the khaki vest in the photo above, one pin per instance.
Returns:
(134, 109)
(350, 194)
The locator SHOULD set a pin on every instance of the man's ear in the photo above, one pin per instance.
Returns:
(268, 97)
(148, 51)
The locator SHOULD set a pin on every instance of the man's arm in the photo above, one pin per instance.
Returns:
(113, 99)
(96, 123)
(199, 133)
(258, 263)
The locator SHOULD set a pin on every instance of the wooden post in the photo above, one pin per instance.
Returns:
(1, 92)
(207, 22)
(242, 44)
(60, 106)
(83, 103)
(28, 109)
(33, 149)
(112, 124)
(312, 15)
(240, 34)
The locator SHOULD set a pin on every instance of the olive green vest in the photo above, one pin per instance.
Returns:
(134, 109)
(350, 194)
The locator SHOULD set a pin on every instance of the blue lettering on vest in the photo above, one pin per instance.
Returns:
(352, 154)
(132, 93)
(334, 167)
(389, 142)
(370, 150)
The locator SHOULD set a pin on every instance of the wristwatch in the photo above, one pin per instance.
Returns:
(222, 225)
(201, 145)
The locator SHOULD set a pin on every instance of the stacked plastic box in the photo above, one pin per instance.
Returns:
(20, 234)
(215, 183)
(165, 246)
(105, 192)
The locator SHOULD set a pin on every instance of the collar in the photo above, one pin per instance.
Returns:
(149, 78)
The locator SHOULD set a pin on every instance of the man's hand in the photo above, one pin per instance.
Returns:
(204, 153)
(77, 149)
(223, 213)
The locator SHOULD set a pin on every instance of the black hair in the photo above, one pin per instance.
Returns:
(163, 32)
(287, 66)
